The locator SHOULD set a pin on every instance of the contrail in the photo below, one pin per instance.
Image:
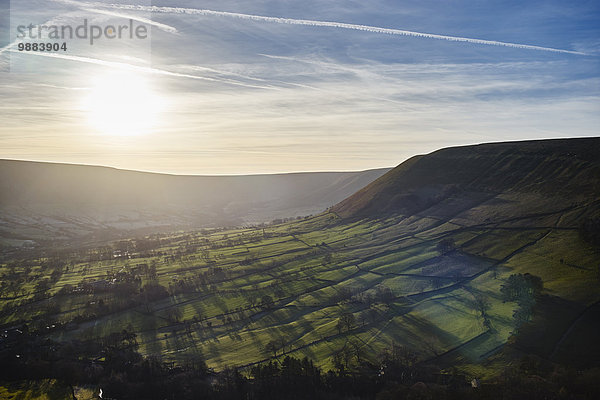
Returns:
(8, 46)
(164, 27)
(89, 7)
(120, 65)
(341, 25)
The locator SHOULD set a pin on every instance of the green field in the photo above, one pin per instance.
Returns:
(239, 297)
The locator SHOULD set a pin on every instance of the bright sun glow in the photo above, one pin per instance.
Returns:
(123, 104)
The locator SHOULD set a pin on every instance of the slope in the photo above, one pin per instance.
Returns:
(428, 279)
(565, 169)
(38, 200)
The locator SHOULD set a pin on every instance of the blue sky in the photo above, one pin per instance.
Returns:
(217, 93)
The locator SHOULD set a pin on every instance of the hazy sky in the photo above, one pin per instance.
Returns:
(229, 90)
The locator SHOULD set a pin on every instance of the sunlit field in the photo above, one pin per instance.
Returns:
(319, 286)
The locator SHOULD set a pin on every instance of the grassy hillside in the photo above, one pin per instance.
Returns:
(566, 170)
(425, 271)
(39, 201)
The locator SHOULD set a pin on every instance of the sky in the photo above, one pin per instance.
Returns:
(245, 87)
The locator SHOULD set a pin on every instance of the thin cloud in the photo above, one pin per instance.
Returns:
(221, 72)
(60, 87)
(330, 24)
(119, 65)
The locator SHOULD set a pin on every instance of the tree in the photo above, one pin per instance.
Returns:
(384, 294)
(446, 246)
(524, 289)
(521, 288)
(482, 305)
(282, 341)
(252, 299)
(271, 347)
(174, 314)
(346, 321)
(267, 302)
(356, 350)
(339, 326)
(151, 292)
(342, 358)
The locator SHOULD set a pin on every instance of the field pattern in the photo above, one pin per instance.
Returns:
(327, 288)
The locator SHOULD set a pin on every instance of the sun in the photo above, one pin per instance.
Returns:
(123, 104)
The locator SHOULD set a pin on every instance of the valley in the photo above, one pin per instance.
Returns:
(431, 268)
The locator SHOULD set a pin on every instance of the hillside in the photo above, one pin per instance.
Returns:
(474, 260)
(38, 200)
(566, 171)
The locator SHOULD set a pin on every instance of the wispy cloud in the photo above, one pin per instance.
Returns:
(242, 76)
(330, 24)
(138, 68)
(380, 98)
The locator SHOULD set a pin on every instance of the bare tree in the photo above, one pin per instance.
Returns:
(271, 347)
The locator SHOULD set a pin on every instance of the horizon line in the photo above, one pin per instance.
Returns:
(77, 164)
(39, 161)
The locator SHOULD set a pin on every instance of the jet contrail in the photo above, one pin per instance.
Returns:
(342, 25)
(164, 27)
(8, 46)
(150, 70)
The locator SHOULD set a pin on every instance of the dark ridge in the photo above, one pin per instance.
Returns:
(561, 168)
